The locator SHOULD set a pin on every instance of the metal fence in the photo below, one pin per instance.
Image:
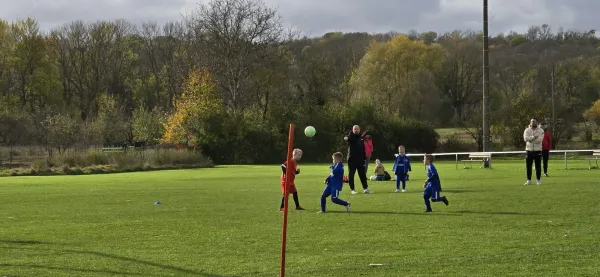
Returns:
(564, 152)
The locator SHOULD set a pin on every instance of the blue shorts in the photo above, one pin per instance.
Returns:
(401, 177)
(331, 191)
(431, 192)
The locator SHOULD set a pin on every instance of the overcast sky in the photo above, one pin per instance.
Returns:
(315, 17)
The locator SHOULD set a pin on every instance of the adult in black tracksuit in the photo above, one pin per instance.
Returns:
(356, 158)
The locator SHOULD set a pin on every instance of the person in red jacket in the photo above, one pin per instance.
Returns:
(546, 147)
(368, 149)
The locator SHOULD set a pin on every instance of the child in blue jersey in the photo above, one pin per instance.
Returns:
(334, 183)
(432, 186)
(401, 168)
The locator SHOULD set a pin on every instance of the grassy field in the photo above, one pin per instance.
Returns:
(577, 142)
(460, 132)
(224, 222)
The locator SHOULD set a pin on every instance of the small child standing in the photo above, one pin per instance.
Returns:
(334, 184)
(401, 168)
(432, 185)
(379, 171)
(368, 149)
(292, 163)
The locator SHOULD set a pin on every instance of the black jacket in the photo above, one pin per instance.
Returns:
(356, 149)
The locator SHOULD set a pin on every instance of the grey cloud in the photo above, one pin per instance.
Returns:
(318, 16)
(315, 17)
(53, 13)
(587, 13)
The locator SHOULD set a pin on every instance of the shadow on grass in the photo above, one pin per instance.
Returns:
(395, 213)
(494, 213)
(24, 242)
(420, 191)
(97, 254)
(70, 269)
(586, 168)
(458, 190)
(127, 259)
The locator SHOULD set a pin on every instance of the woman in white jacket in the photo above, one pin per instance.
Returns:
(533, 137)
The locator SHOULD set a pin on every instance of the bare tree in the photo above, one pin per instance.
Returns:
(122, 70)
(234, 36)
(72, 43)
(6, 44)
(29, 51)
(15, 127)
(174, 59)
(93, 59)
(150, 33)
(460, 75)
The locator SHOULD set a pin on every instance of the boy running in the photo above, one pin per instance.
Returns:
(334, 184)
(432, 186)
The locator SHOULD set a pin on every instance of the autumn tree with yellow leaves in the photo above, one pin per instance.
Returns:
(198, 103)
(397, 77)
(592, 114)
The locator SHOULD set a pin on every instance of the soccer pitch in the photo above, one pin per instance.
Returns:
(225, 222)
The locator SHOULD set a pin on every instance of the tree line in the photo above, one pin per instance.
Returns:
(228, 78)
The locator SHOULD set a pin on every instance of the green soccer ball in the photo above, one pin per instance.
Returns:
(310, 131)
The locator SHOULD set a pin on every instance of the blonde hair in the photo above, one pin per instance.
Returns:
(296, 151)
(377, 161)
(338, 155)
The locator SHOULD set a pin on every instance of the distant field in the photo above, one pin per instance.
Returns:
(224, 222)
(460, 132)
(576, 142)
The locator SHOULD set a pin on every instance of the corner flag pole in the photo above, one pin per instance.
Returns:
(288, 174)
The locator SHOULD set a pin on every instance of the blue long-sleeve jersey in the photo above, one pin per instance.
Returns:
(401, 165)
(336, 176)
(433, 178)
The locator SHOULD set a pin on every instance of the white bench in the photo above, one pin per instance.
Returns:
(595, 157)
(478, 157)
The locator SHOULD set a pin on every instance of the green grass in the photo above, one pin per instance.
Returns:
(213, 224)
(446, 132)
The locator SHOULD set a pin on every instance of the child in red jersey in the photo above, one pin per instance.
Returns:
(296, 156)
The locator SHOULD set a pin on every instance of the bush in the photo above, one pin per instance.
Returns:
(253, 140)
(95, 162)
(40, 165)
(390, 132)
(96, 158)
(62, 132)
(131, 158)
(592, 114)
(168, 157)
(587, 130)
(125, 160)
(147, 125)
(71, 159)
